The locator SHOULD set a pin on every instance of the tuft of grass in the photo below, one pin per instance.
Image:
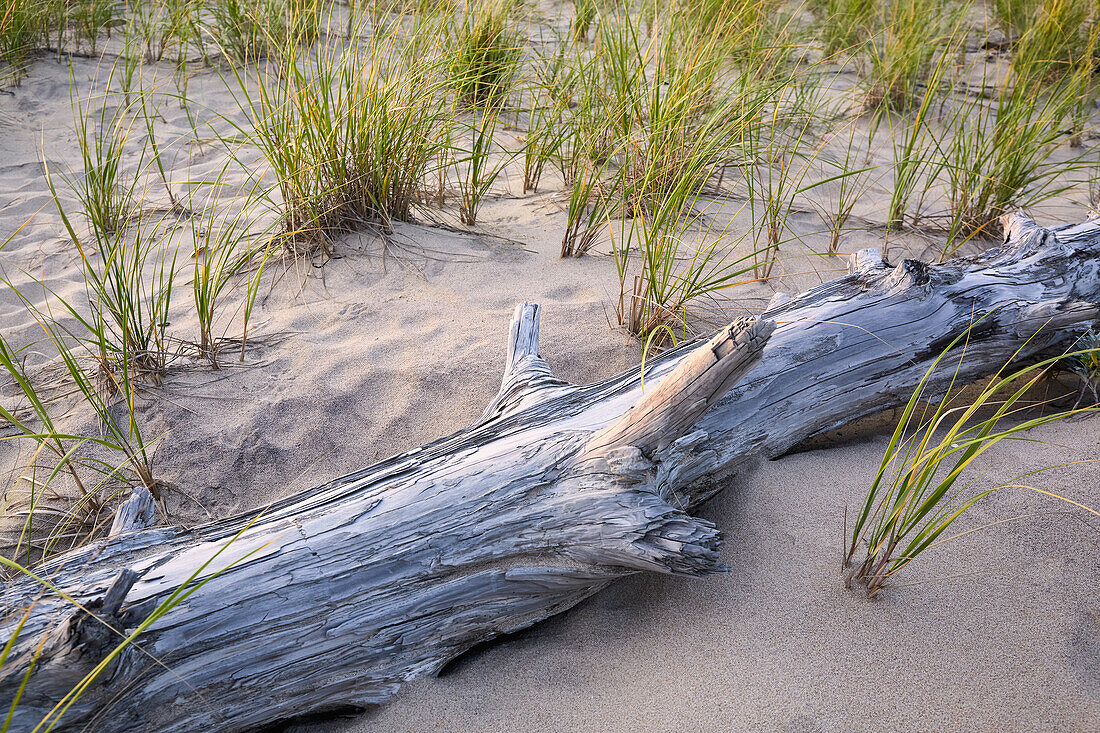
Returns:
(481, 166)
(24, 29)
(902, 54)
(905, 515)
(687, 131)
(128, 263)
(1054, 37)
(160, 27)
(248, 31)
(90, 18)
(351, 131)
(1015, 16)
(673, 273)
(551, 93)
(999, 160)
(106, 191)
(101, 466)
(915, 147)
(584, 13)
(780, 161)
(486, 53)
(128, 282)
(222, 251)
(845, 25)
(542, 141)
(999, 157)
(51, 445)
(588, 209)
(852, 183)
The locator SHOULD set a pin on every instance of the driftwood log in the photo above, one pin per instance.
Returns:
(334, 597)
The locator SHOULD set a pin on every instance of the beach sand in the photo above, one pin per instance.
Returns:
(1000, 631)
(380, 350)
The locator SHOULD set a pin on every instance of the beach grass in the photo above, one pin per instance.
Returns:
(925, 482)
(351, 132)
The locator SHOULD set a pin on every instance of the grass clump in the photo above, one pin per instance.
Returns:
(845, 25)
(485, 56)
(24, 28)
(852, 182)
(106, 191)
(89, 18)
(247, 31)
(998, 156)
(101, 465)
(482, 164)
(162, 26)
(999, 159)
(1015, 16)
(584, 13)
(351, 132)
(680, 128)
(909, 513)
(225, 249)
(127, 261)
(780, 158)
(916, 151)
(902, 53)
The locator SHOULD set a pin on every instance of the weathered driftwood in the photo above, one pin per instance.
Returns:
(337, 595)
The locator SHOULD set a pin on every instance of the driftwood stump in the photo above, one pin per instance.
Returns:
(335, 596)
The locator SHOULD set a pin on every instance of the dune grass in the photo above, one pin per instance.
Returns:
(248, 31)
(481, 164)
(999, 159)
(226, 247)
(106, 351)
(902, 55)
(1055, 37)
(915, 147)
(1014, 17)
(484, 54)
(854, 177)
(127, 260)
(24, 29)
(845, 25)
(165, 28)
(924, 483)
(584, 14)
(351, 131)
(658, 115)
(782, 154)
(543, 137)
(681, 125)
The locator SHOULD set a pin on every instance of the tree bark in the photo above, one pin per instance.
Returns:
(335, 596)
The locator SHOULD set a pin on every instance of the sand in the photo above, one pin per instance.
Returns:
(779, 644)
(380, 350)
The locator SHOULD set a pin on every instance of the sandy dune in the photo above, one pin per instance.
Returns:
(377, 351)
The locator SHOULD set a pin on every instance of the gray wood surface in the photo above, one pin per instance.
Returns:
(337, 595)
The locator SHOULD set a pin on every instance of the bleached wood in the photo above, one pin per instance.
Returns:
(137, 512)
(341, 593)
